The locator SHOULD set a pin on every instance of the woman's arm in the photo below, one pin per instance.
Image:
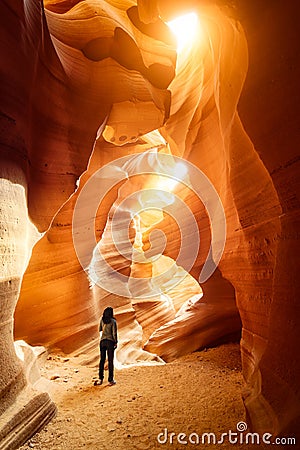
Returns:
(101, 328)
(115, 332)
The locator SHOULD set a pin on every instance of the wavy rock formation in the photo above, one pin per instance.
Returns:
(49, 120)
(23, 410)
(99, 77)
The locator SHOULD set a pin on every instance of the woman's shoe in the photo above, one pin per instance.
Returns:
(98, 382)
(112, 382)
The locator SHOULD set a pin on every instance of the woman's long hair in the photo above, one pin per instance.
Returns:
(108, 314)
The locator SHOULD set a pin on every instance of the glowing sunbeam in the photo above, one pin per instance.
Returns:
(185, 29)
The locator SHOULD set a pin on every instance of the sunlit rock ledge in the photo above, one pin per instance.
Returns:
(82, 84)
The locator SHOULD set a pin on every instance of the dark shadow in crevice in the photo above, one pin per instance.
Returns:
(218, 291)
(124, 50)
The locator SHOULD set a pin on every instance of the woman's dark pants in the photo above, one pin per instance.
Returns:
(107, 346)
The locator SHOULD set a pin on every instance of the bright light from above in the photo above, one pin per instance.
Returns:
(168, 183)
(180, 171)
(185, 29)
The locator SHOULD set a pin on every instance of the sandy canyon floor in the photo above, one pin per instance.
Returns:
(196, 394)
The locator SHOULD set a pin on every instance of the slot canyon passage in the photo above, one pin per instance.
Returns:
(116, 148)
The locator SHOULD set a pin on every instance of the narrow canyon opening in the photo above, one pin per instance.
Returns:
(176, 319)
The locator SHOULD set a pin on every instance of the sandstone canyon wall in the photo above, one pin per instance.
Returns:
(86, 70)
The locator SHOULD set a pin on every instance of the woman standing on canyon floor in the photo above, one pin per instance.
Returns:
(108, 343)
